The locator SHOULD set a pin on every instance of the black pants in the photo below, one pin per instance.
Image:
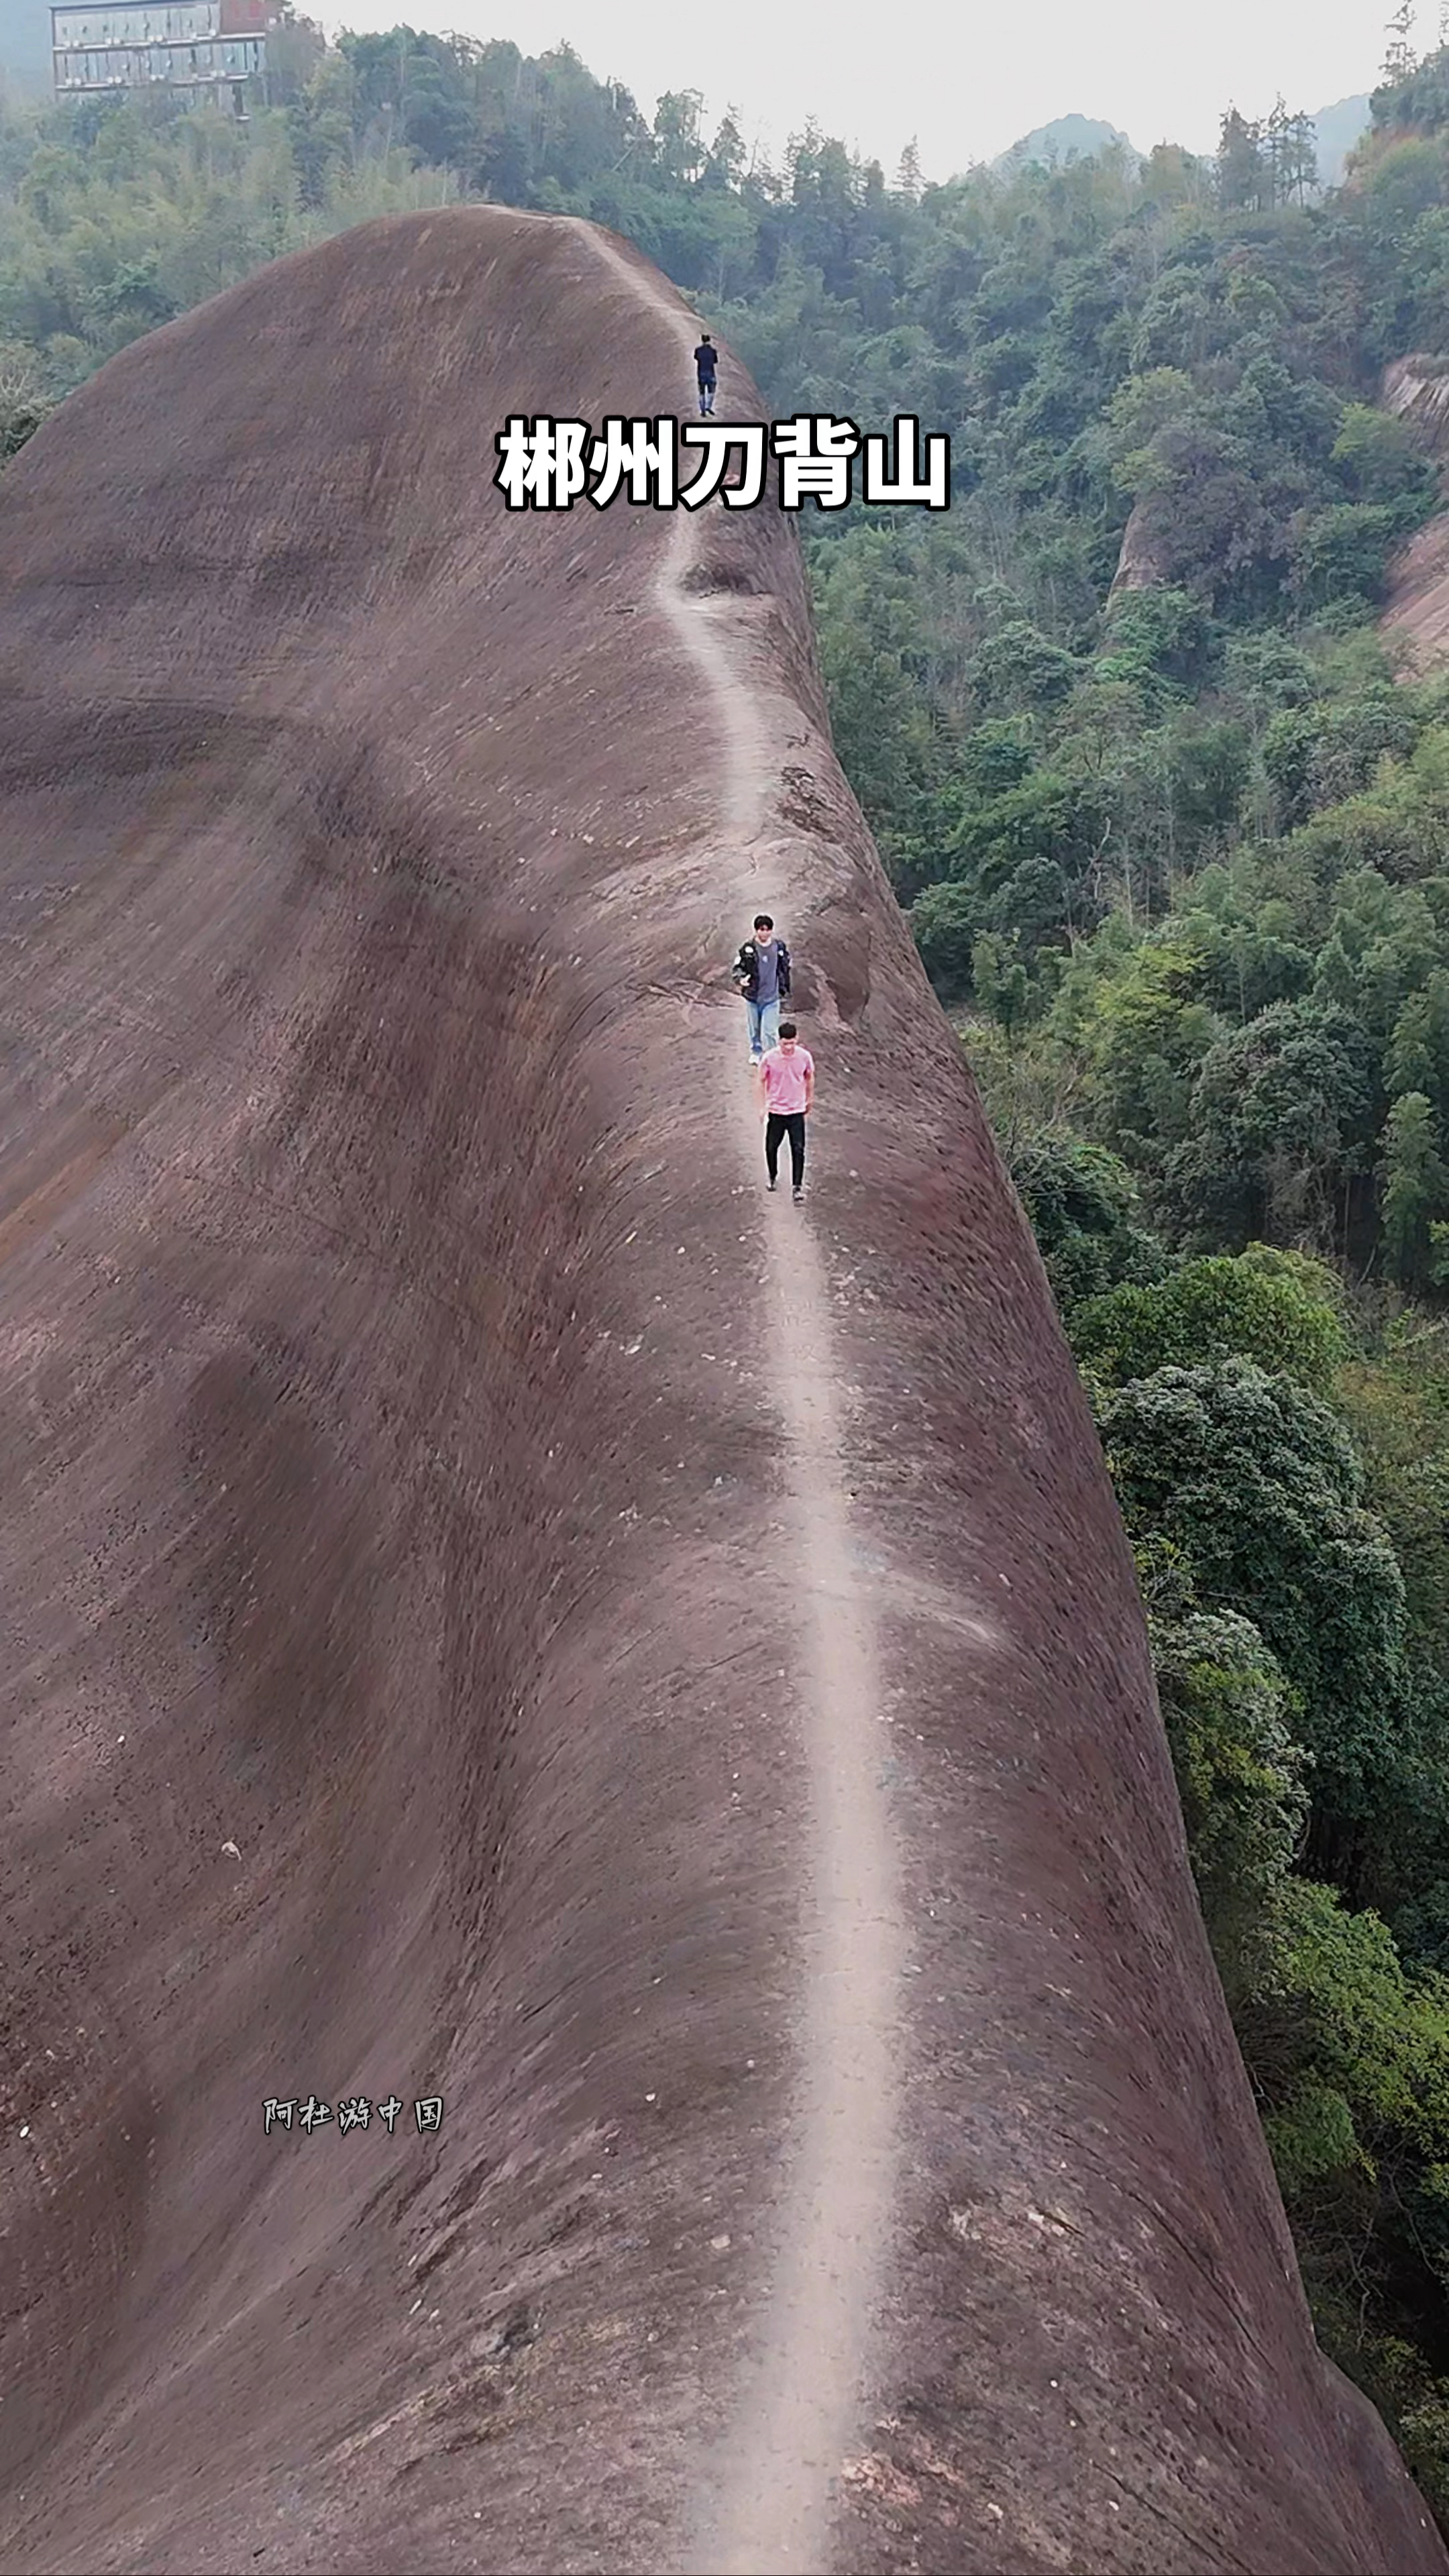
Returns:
(791, 1123)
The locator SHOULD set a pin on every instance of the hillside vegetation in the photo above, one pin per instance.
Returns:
(1175, 846)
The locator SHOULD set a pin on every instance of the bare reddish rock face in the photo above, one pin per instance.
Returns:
(1417, 389)
(494, 1607)
(1417, 614)
(1145, 557)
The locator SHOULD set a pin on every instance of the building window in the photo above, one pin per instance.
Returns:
(128, 47)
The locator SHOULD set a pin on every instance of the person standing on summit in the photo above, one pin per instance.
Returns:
(706, 359)
(762, 972)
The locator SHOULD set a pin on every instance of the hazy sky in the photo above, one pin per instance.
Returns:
(966, 80)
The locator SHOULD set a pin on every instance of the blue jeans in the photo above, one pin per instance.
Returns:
(764, 1027)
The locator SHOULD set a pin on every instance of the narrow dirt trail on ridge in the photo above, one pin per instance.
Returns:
(774, 2486)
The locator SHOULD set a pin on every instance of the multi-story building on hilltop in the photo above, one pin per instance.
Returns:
(202, 47)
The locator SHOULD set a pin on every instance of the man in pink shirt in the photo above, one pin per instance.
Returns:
(787, 1088)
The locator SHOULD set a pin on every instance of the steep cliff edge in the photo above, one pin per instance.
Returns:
(1416, 389)
(1145, 559)
(1417, 612)
(495, 1608)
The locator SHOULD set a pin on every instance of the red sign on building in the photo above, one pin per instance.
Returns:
(244, 17)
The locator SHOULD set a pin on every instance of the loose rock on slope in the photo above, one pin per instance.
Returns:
(495, 1608)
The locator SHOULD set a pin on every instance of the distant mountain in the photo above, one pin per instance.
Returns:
(25, 43)
(1339, 129)
(1065, 136)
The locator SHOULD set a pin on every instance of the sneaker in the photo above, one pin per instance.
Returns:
(771, 1185)
(799, 1198)
(756, 1061)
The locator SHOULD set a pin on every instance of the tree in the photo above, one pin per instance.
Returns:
(1275, 1309)
(23, 405)
(724, 166)
(1017, 667)
(1396, 1404)
(1143, 405)
(1404, 182)
(1301, 158)
(1229, 1716)
(1376, 453)
(1256, 1484)
(1415, 1186)
(1287, 752)
(994, 757)
(678, 149)
(1032, 908)
(1205, 520)
(1417, 1055)
(1143, 1034)
(1288, 154)
(1249, 961)
(1163, 630)
(1084, 1214)
(1342, 552)
(1399, 58)
(1372, 2087)
(945, 921)
(1242, 178)
(1171, 176)
(296, 52)
(909, 182)
(1209, 769)
(1278, 1123)
(1001, 982)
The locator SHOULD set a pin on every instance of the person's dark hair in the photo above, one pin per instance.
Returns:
(788, 1029)
(763, 921)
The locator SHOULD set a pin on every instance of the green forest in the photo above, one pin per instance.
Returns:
(1176, 854)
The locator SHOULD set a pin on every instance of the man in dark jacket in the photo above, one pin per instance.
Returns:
(706, 358)
(762, 973)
